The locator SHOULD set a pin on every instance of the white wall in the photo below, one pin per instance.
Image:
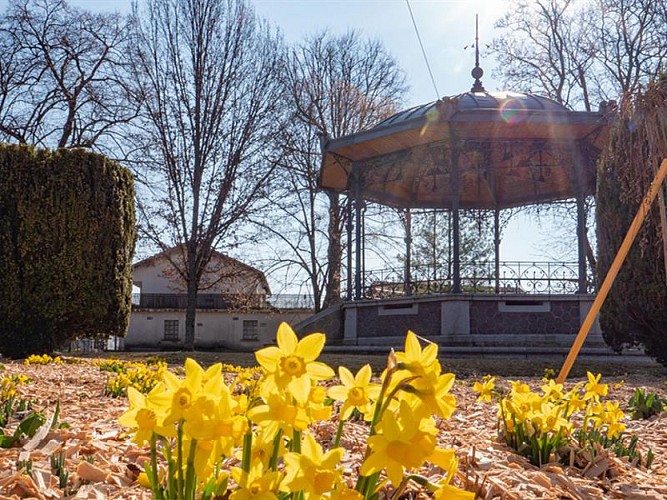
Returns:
(213, 329)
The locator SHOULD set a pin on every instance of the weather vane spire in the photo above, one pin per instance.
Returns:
(477, 72)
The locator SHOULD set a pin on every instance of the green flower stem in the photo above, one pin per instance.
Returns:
(273, 461)
(171, 478)
(179, 458)
(401, 488)
(339, 433)
(190, 475)
(247, 451)
(361, 484)
(370, 485)
(295, 445)
(155, 486)
(422, 481)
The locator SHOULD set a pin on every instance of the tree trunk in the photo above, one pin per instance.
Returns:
(191, 305)
(334, 252)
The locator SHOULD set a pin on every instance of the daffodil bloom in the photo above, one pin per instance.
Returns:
(343, 492)
(404, 441)
(214, 420)
(291, 365)
(552, 390)
(256, 484)
(430, 395)
(279, 413)
(144, 418)
(485, 388)
(594, 390)
(143, 480)
(416, 360)
(356, 391)
(574, 401)
(519, 387)
(609, 415)
(445, 490)
(550, 420)
(312, 471)
(316, 409)
(178, 394)
(263, 448)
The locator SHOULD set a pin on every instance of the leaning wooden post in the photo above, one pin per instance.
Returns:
(613, 271)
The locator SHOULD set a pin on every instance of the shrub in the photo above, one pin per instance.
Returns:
(634, 311)
(67, 238)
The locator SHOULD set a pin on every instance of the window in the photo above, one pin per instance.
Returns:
(170, 329)
(250, 329)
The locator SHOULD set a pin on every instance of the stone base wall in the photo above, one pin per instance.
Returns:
(526, 317)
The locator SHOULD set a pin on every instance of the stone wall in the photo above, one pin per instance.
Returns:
(553, 317)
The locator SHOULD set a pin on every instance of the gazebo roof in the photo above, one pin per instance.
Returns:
(510, 149)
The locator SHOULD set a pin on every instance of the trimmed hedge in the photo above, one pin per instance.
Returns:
(67, 235)
(636, 309)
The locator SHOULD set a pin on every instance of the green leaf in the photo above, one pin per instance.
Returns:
(29, 425)
(7, 441)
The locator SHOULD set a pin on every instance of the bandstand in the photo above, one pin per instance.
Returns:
(477, 150)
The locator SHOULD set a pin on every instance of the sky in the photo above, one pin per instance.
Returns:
(446, 28)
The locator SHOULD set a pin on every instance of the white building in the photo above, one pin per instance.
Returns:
(233, 310)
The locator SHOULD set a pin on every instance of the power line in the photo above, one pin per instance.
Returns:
(428, 66)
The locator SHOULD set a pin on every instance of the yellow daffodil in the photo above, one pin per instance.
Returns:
(263, 448)
(316, 409)
(356, 391)
(429, 395)
(519, 387)
(256, 484)
(485, 388)
(445, 490)
(552, 390)
(312, 471)
(343, 492)
(404, 441)
(291, 365)
(143, 480)
(144, 418)
(594, 389)
(550, 419)
(416, 360)
(279, 413)
(179, 394)
(574, 402)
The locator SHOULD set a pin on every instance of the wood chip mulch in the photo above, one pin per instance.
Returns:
(486, 466)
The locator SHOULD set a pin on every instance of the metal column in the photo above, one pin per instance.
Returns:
(357, 216)
(455, 185)
(496, 246)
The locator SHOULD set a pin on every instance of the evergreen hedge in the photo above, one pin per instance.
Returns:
(67, 235)
(636, 309)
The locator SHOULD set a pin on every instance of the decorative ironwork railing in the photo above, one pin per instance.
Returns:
(204, 301)
(223, 301)
(477, 277)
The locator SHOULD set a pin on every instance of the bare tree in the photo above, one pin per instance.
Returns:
(542, 49)
(631, 44)
(62, 80)
(579, 52)
(336, 85)
(206, 74)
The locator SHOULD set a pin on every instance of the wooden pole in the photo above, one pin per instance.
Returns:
(613, 271)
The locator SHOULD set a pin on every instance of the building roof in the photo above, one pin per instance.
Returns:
(513, 149)
(261, 277)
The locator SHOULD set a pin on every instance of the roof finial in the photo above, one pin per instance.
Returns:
(477, 72)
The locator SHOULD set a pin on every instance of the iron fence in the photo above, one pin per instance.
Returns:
(478, 277)
(223, 301)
